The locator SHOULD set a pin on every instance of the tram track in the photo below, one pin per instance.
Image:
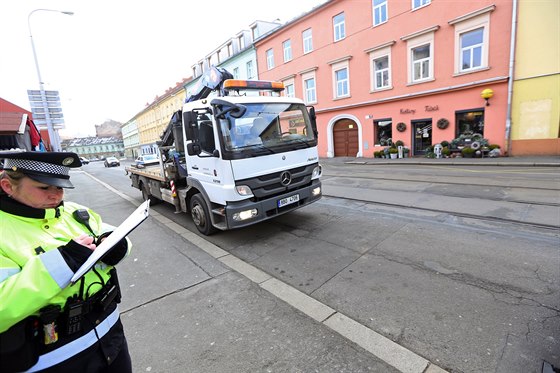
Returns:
(487, 218)
(440, 182)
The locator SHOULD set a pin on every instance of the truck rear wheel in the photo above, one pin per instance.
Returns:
(201, 216)
(147, 196)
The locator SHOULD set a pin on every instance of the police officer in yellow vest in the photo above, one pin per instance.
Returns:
(47, 324)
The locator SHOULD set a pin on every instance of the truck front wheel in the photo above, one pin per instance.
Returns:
(200, 215)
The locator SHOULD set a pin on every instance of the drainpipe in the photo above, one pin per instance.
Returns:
(510, 75)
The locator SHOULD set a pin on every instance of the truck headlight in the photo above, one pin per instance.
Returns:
(244, 215)
(317, 171)
(244, 190)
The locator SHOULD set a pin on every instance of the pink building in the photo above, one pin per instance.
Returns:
(406, 70)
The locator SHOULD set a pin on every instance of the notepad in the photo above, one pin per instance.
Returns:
(127, 226)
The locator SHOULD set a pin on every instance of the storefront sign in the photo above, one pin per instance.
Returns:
(431, 108)
(408, 111)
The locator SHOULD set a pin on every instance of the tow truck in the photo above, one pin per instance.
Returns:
(232, 158)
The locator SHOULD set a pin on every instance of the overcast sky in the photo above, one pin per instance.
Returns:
(113, 56)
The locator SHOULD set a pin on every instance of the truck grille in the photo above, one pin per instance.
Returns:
(274, 184)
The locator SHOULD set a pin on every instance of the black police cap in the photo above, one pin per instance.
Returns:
(51, 168)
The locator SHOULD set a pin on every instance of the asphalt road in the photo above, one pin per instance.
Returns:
(465, 294)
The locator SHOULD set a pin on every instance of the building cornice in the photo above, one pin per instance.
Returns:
(420, 33)
(470, 15)
(499, 79)
(291, 76)
(314, 68)
(338, 60)
(380, 46)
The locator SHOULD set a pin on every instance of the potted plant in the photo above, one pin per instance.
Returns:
(406, 151)
(445, 151)
(385, 153)
(468, 152)
(393, 152)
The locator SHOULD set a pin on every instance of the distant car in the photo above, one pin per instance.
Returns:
(112, 162)
(84, 160)
(145, 160)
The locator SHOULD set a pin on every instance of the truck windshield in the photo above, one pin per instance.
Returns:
(267, 128)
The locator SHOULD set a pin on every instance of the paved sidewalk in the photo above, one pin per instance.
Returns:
(189, 306)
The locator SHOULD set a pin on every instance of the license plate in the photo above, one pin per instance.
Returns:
(288, 200)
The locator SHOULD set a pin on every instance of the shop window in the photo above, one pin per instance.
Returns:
(470, 122)
(383, 131)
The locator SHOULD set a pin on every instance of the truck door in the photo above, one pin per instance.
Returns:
(205, 165)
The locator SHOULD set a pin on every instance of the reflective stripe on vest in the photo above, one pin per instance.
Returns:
(76, 346)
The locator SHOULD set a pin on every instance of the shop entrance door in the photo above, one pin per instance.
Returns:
(345, 135)
(422, 135)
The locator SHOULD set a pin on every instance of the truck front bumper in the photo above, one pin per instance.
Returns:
(271, 207)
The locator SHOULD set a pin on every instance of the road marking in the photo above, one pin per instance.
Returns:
(383, 348)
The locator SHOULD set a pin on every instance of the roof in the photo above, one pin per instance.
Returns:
(12, 118)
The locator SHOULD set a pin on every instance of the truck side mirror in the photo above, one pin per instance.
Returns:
(193, 148)
(313, 119)
(191, 125)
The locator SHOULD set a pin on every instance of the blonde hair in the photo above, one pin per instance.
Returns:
(15, 178)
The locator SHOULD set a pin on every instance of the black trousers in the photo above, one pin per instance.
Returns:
(109, 355)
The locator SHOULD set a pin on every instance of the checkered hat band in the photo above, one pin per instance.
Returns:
(46, 168)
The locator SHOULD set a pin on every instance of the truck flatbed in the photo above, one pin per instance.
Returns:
(152, 172)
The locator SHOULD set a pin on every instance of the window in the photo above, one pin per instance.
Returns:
(421, 63)
(420, 3)
(309, 86)
(270, 59)
(250, 70)
(471, 40)
(255, 33)
(379, 12)
(339, 28)
(470, 122)
(287, 46)
(380, 66)
(471, 49)
(381, 74)
(420, 46)
(383, 131)
(290, 92)
(236, 73)
(307, 41)
(341, 80)
(241, 42)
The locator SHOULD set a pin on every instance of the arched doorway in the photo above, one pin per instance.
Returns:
(345, 136)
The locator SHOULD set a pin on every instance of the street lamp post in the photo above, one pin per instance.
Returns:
(53, 135)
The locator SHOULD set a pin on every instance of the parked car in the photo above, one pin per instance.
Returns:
(111, 161)
(84, 160)
(146, 159)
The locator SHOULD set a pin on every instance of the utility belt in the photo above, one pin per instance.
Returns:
(22, 344)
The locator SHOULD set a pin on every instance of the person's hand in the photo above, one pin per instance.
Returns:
(86, 240)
